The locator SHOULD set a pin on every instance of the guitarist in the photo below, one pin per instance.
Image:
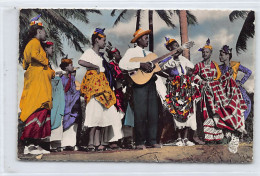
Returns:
(145, 96)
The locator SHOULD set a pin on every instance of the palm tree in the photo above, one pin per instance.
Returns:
(248, 29)
(185, 18)
(166, 16)
(163, 14)
(58, 26)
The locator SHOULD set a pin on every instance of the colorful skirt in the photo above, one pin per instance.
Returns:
(224, 99)
(38, 125)
(180, 97)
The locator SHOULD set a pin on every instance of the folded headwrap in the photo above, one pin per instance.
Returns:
(35, 20)
(100, 32)
(226, 49)
(206, 46)
(66, 60)
(168, 41)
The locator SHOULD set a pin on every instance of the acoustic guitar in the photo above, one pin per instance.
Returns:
(140, 77)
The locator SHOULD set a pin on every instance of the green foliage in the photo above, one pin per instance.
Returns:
(57, 25)
(248, 29)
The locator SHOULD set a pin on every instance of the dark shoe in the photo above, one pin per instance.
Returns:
(69, 148)
(140, 147)
(83, 149)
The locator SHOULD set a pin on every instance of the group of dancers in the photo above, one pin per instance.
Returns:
(118, 112)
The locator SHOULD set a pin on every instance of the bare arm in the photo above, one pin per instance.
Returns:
(88, 65)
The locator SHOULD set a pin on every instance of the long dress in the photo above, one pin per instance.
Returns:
(236, 66)
(181, 94)
(71, 112)
(36, 100)
(100, 98)
(220, 96)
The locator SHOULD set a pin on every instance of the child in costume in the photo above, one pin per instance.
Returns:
(72, 105)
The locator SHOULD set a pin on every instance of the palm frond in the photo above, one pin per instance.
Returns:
(165, 17)
(248, 31)
(93, 11)
(57, 26)
(171, 12)
(191, 19)
(120, 16)
(54, 19)
(238, 14)
(113, 12)
(78, 14)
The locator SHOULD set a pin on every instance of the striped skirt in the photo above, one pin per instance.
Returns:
(38, 125)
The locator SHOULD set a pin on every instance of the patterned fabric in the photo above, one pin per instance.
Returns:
(238, 67)
(118, 76)
(96, 85)
(38, 125)
(109, 72)
(220, 97)
(117, 71)
(180, 96)
(72, 101)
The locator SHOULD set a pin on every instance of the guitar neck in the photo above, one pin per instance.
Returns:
(164, 56)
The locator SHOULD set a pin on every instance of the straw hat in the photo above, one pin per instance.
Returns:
(139, 33)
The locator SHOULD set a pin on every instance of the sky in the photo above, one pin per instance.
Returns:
(212, 24)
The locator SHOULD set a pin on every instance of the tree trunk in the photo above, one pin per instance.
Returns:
(138, 16)
(150, 16)
(184, 31)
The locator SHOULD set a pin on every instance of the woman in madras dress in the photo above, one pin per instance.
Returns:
(36, 100)
(100, 98)
(221, 111)
(225, 57)
(181, 94)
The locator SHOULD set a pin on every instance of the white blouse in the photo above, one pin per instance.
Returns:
(92, 57)
(176, 63)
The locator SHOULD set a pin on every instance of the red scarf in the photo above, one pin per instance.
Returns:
(67, 87)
